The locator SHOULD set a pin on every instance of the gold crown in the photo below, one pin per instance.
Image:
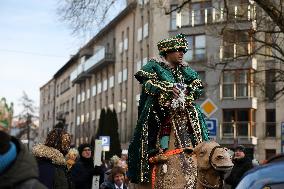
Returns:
(6, 114)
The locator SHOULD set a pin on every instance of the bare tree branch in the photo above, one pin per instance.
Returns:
(274, 11)
(84, 15)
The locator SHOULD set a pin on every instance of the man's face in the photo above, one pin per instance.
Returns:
(118, 179)
(175, 57)
(239, 154)
(87, 153)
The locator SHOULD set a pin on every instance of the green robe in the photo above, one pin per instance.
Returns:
(157, 79)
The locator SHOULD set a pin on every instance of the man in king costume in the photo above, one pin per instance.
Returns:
(168, 118)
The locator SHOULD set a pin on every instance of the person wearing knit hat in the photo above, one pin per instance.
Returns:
(50, 158)
(166, 108)
(241, 165)
(18, 168)
(83, 171)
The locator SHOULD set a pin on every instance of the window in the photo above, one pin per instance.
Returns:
(119, 77)
(238, 122)
(123, 105)
(78, 98)
(236, 43)
(173, 24)
(82, 118)
(228, 84)
(110, 106)
(93, 115)
(119, 107)
(145, 30)
(105, 85)
(111, 81)
(137, 99)
(125, 44)
(139, 34)
(269, 153)
(124, 74)
(98, 113)
(88, 93)
(67, 106)
(270, 85)
(237, 84)
(145, 60)
(268, 42)
(78, 120)
(240, 11)
(83, 96)
(138, 65)
(99, 87)
(87, 117)
(120, 47)
(94, 90)
(197, 48)
(199, 11)
(270, 126)
(72, 103)
(242, 84)
(57, 90)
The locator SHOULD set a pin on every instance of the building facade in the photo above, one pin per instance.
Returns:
(238, 110)
(65, 95)
(46, 111)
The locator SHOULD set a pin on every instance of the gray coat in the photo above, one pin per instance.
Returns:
(23, 173)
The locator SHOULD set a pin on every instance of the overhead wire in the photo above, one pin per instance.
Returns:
(31, 53)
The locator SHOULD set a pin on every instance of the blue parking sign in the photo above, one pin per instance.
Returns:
(212, 126)
(105, 140)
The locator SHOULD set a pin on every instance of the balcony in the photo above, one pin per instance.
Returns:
(238, 132)
(203, 16)
(240, 102)
(85, 69)
(79, 74)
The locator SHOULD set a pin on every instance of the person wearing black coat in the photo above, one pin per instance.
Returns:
(18, 168)
(51, 160)
(241, 165)
(83, 171)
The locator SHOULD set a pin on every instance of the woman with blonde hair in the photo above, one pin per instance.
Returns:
(71, 157)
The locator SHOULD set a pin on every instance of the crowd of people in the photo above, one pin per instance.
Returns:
(54, 165)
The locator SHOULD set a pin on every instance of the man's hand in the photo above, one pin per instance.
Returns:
(176, 92)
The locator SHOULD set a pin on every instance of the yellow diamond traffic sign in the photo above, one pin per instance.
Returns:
(209, 107)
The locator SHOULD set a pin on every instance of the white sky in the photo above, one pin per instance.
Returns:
(33, 46)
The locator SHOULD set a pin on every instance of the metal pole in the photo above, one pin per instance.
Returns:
(104, 155)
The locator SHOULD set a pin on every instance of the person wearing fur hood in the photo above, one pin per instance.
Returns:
(51, 160)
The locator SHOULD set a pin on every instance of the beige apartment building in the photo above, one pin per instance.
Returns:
(57, 98)
(100, 75)
(46, 111)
